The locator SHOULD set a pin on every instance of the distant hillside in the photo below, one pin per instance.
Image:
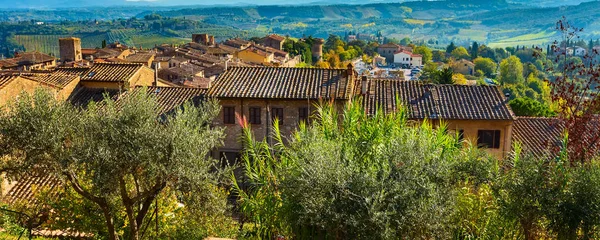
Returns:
(344, 11)
(549, 3)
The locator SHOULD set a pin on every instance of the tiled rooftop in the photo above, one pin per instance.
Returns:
(82, 96)
(28, 186)
(286, 83)
(58, 79)
(140, 57)
(169, 98)
(111, 72)
(5, 79)
(537, 135)
(437, 101)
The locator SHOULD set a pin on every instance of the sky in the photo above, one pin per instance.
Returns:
(85, 3)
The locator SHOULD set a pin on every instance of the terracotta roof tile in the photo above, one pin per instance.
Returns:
(5, 79)
(58, 79)
(169, 98)
(34, 57)
(437, 101)
(83, 96)
(279, 82)
(111, 72)
(276, 37)
(537, 135)
(140, 57)
(28, 186)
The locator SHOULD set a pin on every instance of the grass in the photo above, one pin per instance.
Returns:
(149, 41)
(473, 34)
(525, 39)
(417, 21)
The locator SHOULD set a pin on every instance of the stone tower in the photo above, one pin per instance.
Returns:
(203, 39)
(70, 49)
(317, 49)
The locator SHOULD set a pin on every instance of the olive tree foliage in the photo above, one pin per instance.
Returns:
(120, 155)
(546, 196)
(354, 176)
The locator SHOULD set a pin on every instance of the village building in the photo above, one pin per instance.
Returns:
(463, 66)
(389, 49)
(579, 51)
(61, 83)
(70, 49)
(143, 58)
(204, 39)
(256, 55)
(261, 94)
(274, 41)
(237, 43)
(27, 61)
(408, 59)
(478, 114)
(119, 76)
(181, 72)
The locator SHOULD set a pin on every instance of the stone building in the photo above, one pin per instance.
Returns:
(274, 41)
(70, 49)
(27, 61)
(143, 58)
(119, 76)
(59, 82)
(317, 49)
(204, 39)
(261, 94)
(478, 114)
(463, 66)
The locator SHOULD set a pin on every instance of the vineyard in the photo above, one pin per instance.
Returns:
(123, 36)
(130, 37)
(49, 43)
(41, 43)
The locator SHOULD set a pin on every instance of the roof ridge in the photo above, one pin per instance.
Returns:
(118, 63)
(533, 117)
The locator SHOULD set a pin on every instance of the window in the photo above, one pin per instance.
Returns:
(488, 138)
(254, 115)
(277, 113)
(229, 115)
(303, 114)
(461, 135)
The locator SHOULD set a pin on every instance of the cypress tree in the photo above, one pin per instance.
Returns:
(475, 50)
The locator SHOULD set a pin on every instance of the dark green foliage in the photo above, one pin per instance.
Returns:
(474, 50)
(356, 177)
(526, 106)
(450, 48)
(101, 152)
(443, 76)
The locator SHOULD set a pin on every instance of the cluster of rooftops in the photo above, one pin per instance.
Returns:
(422, 100)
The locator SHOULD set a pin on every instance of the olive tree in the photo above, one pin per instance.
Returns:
(120, 155)
(355, 176)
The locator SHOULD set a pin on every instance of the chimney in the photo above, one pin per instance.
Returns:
(156, 67)
(365, 85)
(350, 71)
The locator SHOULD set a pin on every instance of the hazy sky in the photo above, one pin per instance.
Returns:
(83, 3)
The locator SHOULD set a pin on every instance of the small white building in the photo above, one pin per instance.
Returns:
(579, 51)
(570, 51)
(408, 58)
